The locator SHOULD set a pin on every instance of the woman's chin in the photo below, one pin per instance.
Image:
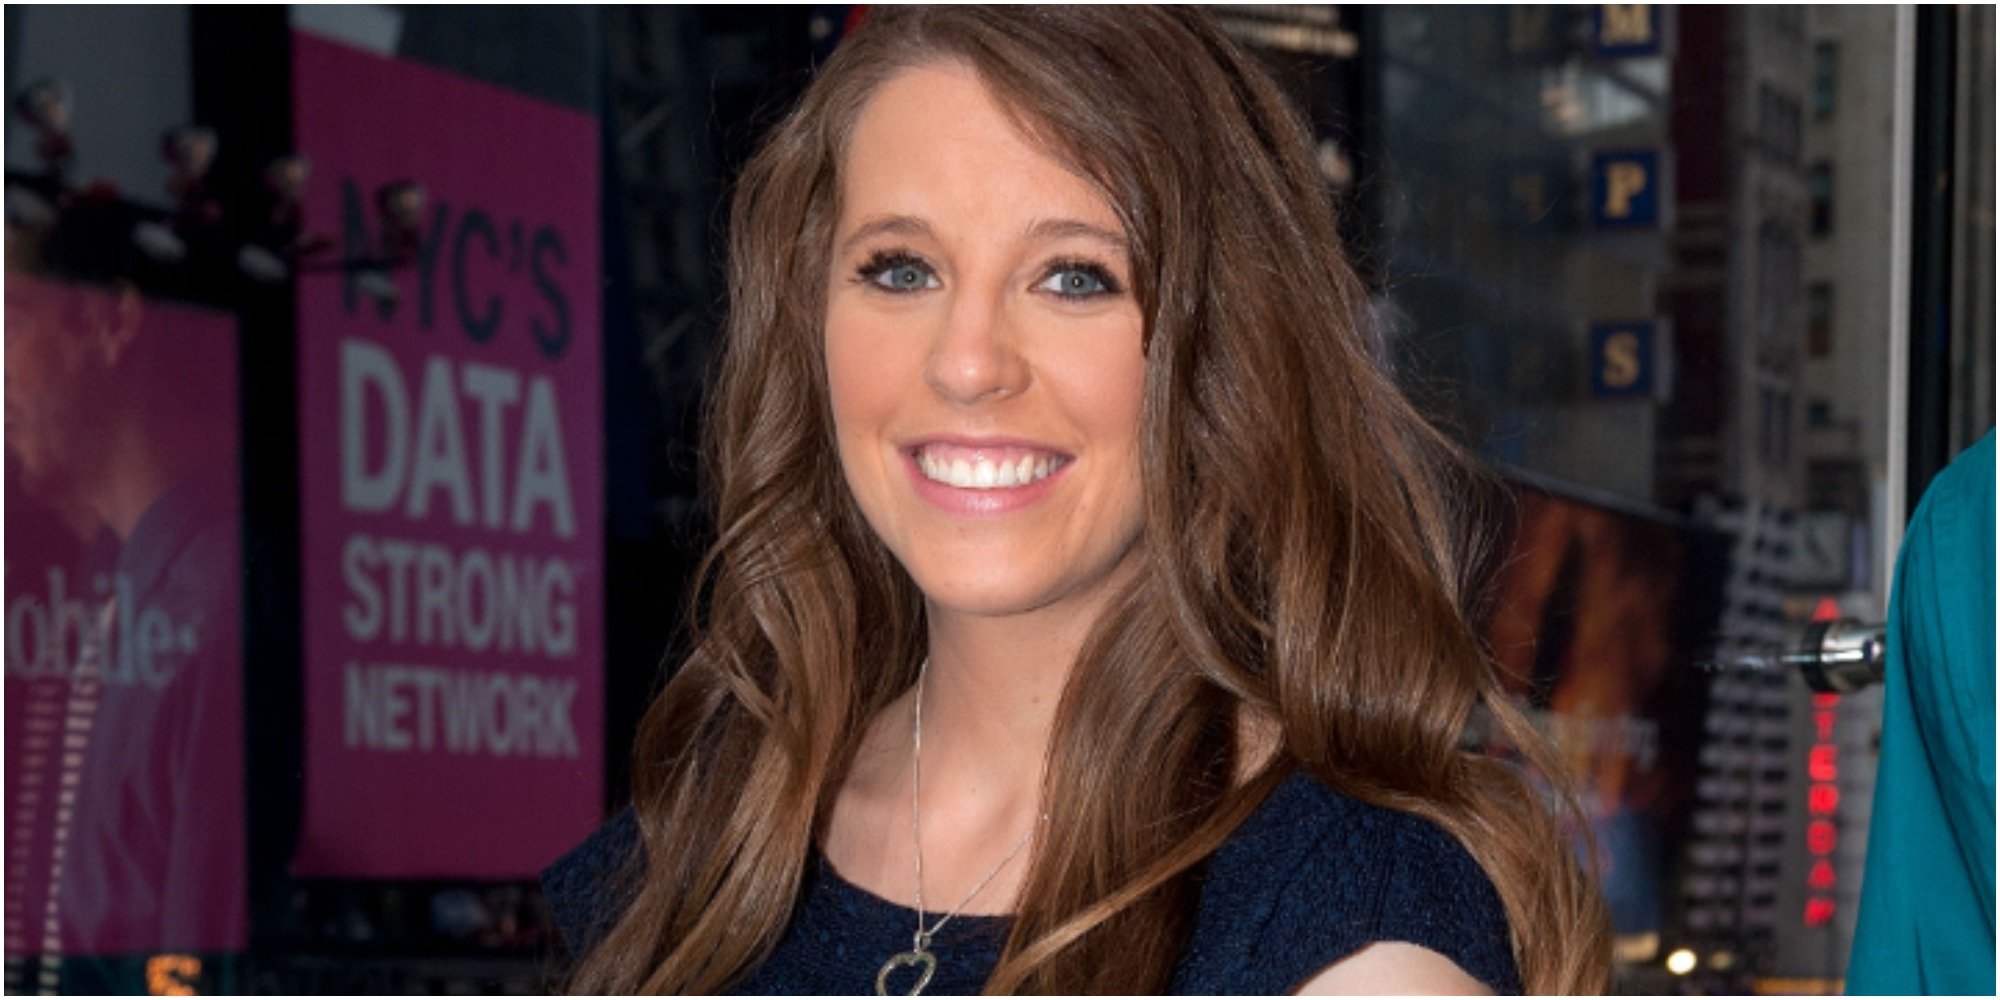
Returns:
(983, 599)
(1051, 598)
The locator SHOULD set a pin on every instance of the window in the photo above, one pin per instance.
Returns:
(1774, 433)
(1793, 134)
(1825, 78)
(1819, 184)
(1819, 320)
(1778, 124)
(1767, 425)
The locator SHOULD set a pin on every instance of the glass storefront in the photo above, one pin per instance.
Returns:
(1655, 265)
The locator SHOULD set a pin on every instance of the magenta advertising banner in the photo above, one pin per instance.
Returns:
(450, 410)
(124, 661)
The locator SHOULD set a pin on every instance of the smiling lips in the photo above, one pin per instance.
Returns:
(986, 467)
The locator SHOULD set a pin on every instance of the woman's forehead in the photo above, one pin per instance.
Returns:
(935, 142)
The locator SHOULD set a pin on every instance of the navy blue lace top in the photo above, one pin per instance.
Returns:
(1307, 880)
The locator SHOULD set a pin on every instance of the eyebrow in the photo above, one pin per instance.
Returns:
(892, 225)
(1042, 230)
(1053, 229)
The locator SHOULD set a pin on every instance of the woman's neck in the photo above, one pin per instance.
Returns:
(990, 693)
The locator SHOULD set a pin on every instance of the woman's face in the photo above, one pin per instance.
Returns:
(983, 353)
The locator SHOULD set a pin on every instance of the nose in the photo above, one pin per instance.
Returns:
(977, 355)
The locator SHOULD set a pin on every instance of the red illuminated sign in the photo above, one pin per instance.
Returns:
(1822, 801)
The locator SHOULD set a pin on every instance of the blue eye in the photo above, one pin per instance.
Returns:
(1078, 280)
(1073, 283)
(906, 278)
(898, 272)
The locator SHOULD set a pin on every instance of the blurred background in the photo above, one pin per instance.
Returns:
(355, 356)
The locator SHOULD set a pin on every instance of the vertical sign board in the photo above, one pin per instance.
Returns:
(1625, 189)
(1619, 30)
(124, 678)
(452, 478)
(1822, 812)
(1622, 360)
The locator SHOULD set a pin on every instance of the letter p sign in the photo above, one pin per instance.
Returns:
(1623, 181)
(1625, 189)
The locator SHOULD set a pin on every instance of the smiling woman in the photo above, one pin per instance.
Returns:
(978, 328)
(1089, 612)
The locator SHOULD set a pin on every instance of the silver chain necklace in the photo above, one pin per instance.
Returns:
(920, 957)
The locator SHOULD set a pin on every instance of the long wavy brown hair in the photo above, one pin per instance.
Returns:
(1308, 565)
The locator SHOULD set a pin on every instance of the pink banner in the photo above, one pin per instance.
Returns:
(450, 407)
(124, 739)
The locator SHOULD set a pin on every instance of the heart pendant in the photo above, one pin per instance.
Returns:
(923, 961)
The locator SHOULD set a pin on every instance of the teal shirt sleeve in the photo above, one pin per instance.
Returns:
(1926, 923)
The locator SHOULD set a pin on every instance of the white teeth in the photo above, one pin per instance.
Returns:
(986, 474)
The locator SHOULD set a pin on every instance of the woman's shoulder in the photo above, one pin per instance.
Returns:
(587, 889)
(1305, 826)
(1313, 876)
